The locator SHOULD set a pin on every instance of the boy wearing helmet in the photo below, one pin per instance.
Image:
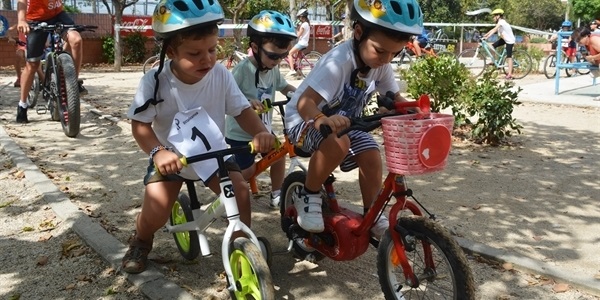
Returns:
(506, 37)
(303, 34)
(188, 86)
(568, 45)
(340, 87)
(271, 34)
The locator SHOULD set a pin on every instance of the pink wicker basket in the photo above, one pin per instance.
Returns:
(417, 144)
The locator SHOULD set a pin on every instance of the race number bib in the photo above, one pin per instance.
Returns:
(194, 132)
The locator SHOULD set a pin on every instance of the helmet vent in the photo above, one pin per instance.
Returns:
(279, 20)
(211, 2)
(199, 4)
(411, 11)
(181, 6)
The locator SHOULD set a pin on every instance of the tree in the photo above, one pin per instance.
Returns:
(586, 9)
(441, 10)
(117, 18)
(538, 14)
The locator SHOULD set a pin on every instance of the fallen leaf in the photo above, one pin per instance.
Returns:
(42, 260)
(83, 277)
(70, 287)
(476, 206)
(507, 266)
(560, 287)
(28, 228)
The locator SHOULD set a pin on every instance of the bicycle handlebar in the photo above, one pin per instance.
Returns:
(59, 26)
(369, 123)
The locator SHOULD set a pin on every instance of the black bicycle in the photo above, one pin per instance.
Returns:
(59, 87)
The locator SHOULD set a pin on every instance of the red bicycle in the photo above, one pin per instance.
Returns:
(417, 258)
(303, 62)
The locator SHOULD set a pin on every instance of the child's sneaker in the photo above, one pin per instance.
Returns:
(379, 227)
(136, 258)
(275, 201)
(308, 207)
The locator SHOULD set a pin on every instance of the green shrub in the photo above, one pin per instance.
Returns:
(492, 104)
(134, 48)
(538, 40)
(443, 79)
(108, 48)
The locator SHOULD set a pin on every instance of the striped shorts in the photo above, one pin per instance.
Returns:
(307, 138)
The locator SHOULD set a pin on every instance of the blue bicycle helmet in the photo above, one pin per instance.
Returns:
(566, 24)
(172, 16)
(395, 15)
(269, 23)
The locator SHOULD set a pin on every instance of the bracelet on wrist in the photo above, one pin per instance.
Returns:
(158, 148)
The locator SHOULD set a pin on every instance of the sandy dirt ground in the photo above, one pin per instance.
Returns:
(536, 197)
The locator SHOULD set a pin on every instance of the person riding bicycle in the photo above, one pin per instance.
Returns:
(271, 34)
(420, 41)
(188, 86)
(567, 44)
(339, 87)
(505, 37)
(34, 12)
(303, 34)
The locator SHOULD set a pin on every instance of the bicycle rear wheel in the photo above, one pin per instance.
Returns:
(522, 64)
(250, 271)
(68, 100)
(436, 259)
(150, 63)
(187, 242)
(308, 62)
(34, 92)
(582, 71)
(550, 66)
(474, 61)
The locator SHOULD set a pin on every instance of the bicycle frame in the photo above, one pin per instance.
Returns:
(226, 202)
(491, 52)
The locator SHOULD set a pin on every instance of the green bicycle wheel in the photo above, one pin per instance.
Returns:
(187, 242)
(251, 273)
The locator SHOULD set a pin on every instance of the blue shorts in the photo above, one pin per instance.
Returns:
(308, 139)
(244, 160)
(300, 47)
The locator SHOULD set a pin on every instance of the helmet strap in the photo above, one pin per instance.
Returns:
(161, 65)
(362, 66)
(259, 64)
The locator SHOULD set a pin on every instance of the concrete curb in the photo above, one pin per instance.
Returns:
(152, 283)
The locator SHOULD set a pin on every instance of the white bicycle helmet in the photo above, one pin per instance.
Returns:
(172, 16)
(269, 22)
(302, 13)
(395, 15)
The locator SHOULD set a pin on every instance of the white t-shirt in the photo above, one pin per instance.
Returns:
(269, 82)
(303, 39)
(217, 93)
(505, 32)
(331, 78)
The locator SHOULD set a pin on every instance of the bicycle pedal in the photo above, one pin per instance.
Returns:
(41, 109)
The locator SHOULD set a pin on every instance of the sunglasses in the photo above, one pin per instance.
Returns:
(273, 55)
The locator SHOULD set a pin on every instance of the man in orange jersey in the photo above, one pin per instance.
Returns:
(51, 12)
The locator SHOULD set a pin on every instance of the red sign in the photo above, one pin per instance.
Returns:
(322, 31)
(142, 24)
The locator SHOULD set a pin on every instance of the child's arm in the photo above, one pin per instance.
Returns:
(288, 88)
(166, 161)
(310, 112)
(250, 122)
(489, 33)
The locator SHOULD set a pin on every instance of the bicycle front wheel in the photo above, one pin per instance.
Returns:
(187, 242)
(150, 63)
(473, 60)
(436, 259)
(522, 64)
(308, 62)
(250, 271)
(68, 100)
(550, 66)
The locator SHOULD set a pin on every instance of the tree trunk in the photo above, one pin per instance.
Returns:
(117, 50)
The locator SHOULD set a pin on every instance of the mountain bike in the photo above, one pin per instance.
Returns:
(303, 62)
(416, 258)
(476, 60)
(59, 87)
(245, 259)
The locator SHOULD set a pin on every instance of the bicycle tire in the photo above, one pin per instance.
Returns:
(250, 271)
(293, 183)
(34, 92)
(308, 62)
(451, 273)
(187, 242)
(522, 64)
(582, 71)
(150, 63)
(475, 64)
(53, 90)
(550, 66)
(69, 102)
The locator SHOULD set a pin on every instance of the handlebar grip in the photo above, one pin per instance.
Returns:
(325, 130)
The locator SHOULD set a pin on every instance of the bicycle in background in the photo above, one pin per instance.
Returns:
(550, 63)
(476, 60)
(303, 63)
(437, 34)
(59, 87)
(154, 60)
(235, 56)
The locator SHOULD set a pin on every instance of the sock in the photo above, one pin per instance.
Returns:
(23, 104)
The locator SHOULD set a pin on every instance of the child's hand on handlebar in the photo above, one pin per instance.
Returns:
(257, 105)
(337, 123)
(263, 142)
(167, 162)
